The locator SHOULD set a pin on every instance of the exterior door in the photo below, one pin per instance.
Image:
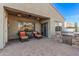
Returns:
(44, 29)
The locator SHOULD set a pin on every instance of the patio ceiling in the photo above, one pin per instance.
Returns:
(20, 13)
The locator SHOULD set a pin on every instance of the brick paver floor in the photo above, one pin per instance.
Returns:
(42, 47)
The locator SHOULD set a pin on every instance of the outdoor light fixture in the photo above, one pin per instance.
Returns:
(38, 18)
(19, 15)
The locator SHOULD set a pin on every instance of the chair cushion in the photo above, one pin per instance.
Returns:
(24, 37)
(39, 35)
(22, 33)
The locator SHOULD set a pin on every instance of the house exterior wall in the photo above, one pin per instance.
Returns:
(12, 27)
(40, 9)
(37, 26)
(1, 27)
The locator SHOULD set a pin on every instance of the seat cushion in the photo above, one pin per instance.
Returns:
(22, 33)
(24, 37)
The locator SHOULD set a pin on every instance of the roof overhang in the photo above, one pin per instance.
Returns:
(25, 14)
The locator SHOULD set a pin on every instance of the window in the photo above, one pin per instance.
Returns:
(58, 28)
(27, 26)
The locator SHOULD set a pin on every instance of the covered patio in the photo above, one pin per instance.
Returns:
(18, 20)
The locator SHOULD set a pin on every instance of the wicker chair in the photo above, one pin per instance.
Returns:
(37, 35)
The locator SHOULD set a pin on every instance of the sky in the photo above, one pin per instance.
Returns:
(70, 11)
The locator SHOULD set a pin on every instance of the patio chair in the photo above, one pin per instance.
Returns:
(23, 36)
(37, 35)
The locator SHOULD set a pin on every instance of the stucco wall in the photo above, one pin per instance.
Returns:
(37, 8)
(12, 27)
(37, 26)
(1, 27)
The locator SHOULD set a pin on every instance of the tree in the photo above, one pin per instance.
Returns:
(76, 26)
